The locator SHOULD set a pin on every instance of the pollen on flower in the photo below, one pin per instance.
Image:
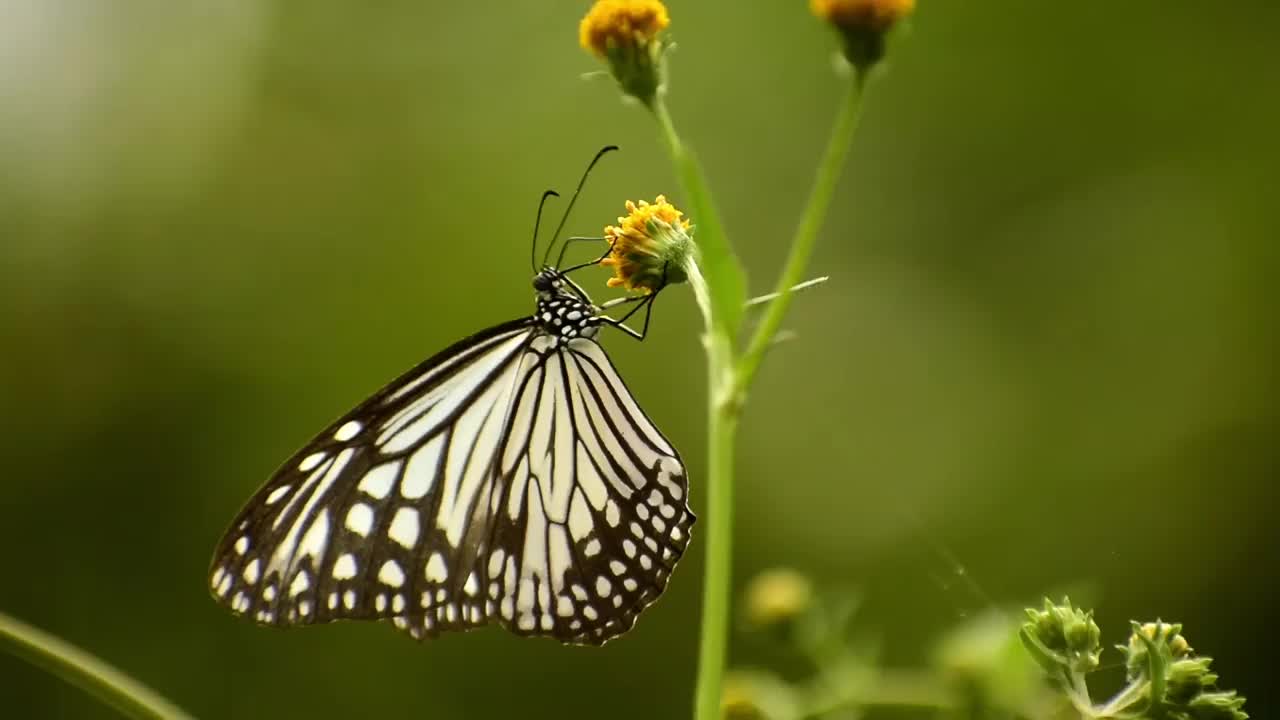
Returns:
(649, 246)
(875, 15)
(618, 23)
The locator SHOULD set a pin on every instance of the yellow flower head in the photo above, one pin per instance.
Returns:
(863, 24)
(649, 246)
(612, 23)
(878, 15)
(776, 596)
(627, 35)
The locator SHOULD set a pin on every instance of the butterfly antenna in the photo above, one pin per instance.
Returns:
(537, 220)
(569, 208)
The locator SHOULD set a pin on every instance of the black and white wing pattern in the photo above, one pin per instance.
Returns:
(510, 479)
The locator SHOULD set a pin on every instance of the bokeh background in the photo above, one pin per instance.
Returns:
(1046, 359)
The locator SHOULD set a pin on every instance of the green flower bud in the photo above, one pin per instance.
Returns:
(1061, 636)
(1165, 637)
(1214, 706)
(1188, 678)
(777, 596)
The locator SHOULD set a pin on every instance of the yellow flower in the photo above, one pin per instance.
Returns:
(776, 596)
(627, 35)
(649, 247)
(878, 15)
(862, 25)
(619, 22)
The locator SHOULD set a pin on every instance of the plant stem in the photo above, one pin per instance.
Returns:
(824, 186)
(721, 299)
(89, 673)
(727, 288)
(717, 583)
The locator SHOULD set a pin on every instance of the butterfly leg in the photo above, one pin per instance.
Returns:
(642, 301)
(577, 289)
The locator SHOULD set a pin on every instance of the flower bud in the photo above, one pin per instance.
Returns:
(777, 596)
(862, 25)
(627, 34)
(1165, 637)
(1215, 706)
(1188, 678)
(1062, 636)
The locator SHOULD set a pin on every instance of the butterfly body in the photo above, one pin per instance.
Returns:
(510, 479)
(562, 313)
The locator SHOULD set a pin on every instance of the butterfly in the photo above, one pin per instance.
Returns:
(510, 479)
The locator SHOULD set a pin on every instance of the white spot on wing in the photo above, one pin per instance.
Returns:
(311, 461)
(404, 527)
(495, 562)
(360, 519)
(300, 584)
(349, 429)
(250, 573)
(391, 574)
(377, 482)
(420, 474)
(313, 542)
(345, 568)
(274, 496)
(436, 570)
(579, 517)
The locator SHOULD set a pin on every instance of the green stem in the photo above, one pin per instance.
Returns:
(727, 289)
(720, 298)
(722, 426)
(1132, 693)
(824, 186)
(89, 673)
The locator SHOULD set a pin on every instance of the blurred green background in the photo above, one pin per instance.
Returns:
(1046, 359)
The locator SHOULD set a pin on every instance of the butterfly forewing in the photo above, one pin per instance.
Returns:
(510, 479)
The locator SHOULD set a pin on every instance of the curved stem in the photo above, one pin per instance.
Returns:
(85, 671)
(824, 186)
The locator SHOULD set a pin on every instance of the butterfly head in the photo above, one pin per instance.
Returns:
(548, 283)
